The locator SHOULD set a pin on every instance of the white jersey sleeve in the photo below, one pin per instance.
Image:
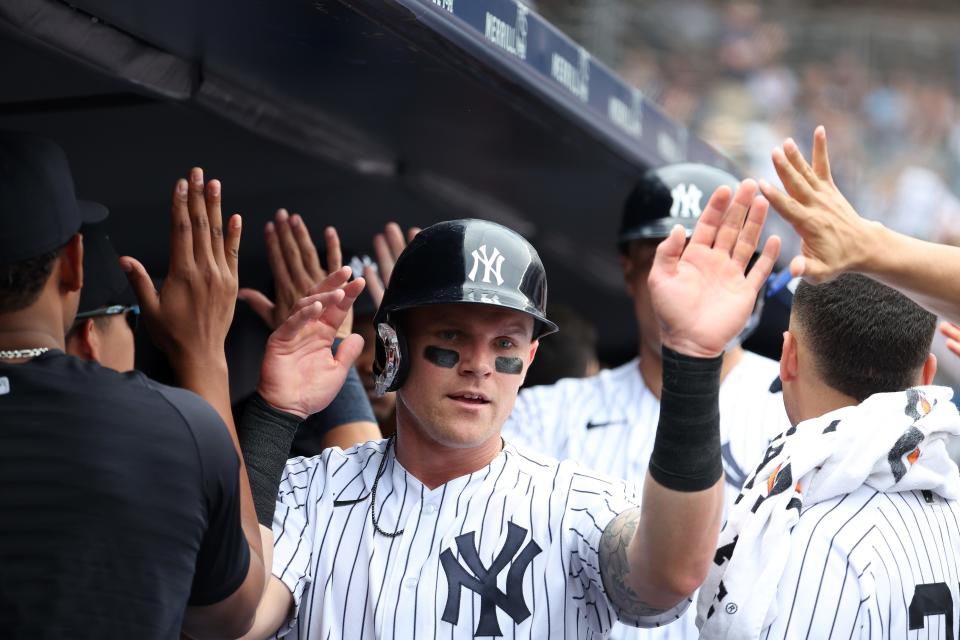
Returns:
(294, 520)
(594, 503)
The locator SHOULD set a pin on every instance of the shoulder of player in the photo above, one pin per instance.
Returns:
(752, 370)
(561, 475)
(131, 398)
(344, 471)
(841, 523)
(569, 398)
(597, 383)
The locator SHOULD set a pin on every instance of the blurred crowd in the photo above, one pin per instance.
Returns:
(744, 75)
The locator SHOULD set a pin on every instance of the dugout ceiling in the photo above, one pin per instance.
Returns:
(352, 112)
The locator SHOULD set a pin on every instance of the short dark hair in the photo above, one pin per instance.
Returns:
(866, 338)
(22, 281)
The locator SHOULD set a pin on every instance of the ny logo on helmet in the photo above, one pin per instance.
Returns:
(686, 201)
(491, 264)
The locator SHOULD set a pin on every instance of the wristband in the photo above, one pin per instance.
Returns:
(686, 452)
(265, 435)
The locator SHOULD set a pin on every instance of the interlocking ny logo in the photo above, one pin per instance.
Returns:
(491, 264)
(484, 581)
(686, 201)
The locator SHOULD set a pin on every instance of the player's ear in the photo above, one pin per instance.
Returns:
(788, 358)
(929, 370)
(84, 342)
(71, 264)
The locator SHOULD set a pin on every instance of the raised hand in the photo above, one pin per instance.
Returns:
(701, 293)
(834, 236)
(387, 247)
(952, 333)
(296, 268)
(300, 374)
(189, 317)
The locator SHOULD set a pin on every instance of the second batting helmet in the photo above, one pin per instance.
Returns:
(676, 194)
(670, 195)
(460, 261)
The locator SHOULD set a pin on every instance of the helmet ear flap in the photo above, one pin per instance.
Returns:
(391, 363)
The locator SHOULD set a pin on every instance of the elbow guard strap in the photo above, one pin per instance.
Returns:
(686, 452)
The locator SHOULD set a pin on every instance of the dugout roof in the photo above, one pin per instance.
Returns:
(352, 113)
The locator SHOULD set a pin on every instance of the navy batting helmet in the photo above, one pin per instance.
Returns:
(460, 261)
(670, 195)
(676, 194)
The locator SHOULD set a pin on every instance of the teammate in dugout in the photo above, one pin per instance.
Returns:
(446, 529)
(125, 510)
(103, 329)
(848, 527)
(608, 421)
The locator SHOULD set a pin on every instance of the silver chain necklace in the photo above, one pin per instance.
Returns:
(16, 354)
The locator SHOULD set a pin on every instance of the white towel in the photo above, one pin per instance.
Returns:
(891, 442)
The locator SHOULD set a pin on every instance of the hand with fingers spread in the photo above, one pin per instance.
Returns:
(300, 374)
(952, 333)
(387, 247)
(296, 269)
(189, 317)
(834, 236)
(702, 293)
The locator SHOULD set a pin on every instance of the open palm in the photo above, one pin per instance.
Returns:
(300, 373)
(702, 293)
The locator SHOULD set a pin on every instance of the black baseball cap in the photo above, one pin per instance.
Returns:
(104, 283)
(38, 205)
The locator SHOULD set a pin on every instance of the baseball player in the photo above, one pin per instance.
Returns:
(608, 421)
(103, 329)
(445, 530)
(849, 525)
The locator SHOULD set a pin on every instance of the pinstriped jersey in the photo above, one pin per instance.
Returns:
(510, 550)
(608, 422)
(872, 565)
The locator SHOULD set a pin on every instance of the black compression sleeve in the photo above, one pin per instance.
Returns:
(265, 436)
(686, 452)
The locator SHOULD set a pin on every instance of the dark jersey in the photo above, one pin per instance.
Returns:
(119, 503)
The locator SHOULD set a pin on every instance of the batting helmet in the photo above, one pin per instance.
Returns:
(464, 262)
(676, 194)
(670, 195)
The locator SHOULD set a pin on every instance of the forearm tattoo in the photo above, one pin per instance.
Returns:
(615, 567)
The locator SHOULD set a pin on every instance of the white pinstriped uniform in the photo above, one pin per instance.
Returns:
(607, 422)
(536, 520)
(872, 565)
